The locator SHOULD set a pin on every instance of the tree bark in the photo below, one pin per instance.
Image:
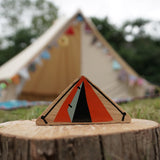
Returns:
(23, 140)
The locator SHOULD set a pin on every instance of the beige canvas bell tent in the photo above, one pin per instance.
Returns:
(69, 48)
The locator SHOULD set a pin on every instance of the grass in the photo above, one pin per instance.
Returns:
(21, 113)
(144, 109)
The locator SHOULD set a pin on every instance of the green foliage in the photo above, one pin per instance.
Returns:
(11, 10)
(17, 42)
(40, 14)
(114, 36)
(47, 13)
(143, 54)
(141, 50)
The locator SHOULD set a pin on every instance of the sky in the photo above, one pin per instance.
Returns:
(117, 11)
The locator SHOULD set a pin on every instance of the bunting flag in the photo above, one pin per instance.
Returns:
(82, 102)
(79, 18)
(24, 73)
(94, 40)
(132, 80)
(116, 65)
(15, 79)
(87, 28)
(123, 76)
(63, 41)
(140, 81)
(70, 31)
(45, 55)
(32, 67)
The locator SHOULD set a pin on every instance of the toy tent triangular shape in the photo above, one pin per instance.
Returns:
(82, 102)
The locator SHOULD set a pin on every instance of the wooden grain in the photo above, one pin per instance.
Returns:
(114, 109)
(28, 129)
(138, 140)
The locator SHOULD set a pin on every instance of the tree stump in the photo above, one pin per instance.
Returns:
(23, 140)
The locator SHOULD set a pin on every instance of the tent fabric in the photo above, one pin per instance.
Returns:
(27, 55)
(30, 53)
(8, 93)
(68, 61)
(58, 71)
(98, 67)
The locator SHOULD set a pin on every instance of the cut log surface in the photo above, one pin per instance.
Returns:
(23, 140)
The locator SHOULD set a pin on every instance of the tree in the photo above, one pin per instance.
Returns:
(24, 20)
(110, 32)
(17, 42)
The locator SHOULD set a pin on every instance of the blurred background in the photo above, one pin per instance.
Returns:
(131, 27)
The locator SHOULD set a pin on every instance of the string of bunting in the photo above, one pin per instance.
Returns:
(116, 65)
(87, 28)
(63, 41)
(23, 74)
(123, 75)
(45, 55)
(130, 79)
(79, 18)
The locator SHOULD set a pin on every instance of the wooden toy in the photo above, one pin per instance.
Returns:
(82, 102)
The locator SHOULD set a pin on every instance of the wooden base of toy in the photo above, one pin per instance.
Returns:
(139, 139)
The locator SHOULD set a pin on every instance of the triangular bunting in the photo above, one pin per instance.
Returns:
(116, 65)
(88, 28)
(81, 103)
(70, 31)
(79, 17)
(45, 55)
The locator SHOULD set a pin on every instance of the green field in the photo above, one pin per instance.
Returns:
(144, 109)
